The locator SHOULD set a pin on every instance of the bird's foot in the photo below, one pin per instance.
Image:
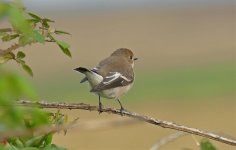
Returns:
(100, 108)
(122, 111)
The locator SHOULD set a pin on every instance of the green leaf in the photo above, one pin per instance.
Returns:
(19, 21)
(27, 69)
(48, 139)
(4, 7)
(45, 24)
(35, 16)
(33, 20)
(36, 37)
(20, 55)
(7, 57)
(2, 33)
(54, 147)
(35, 141)
(205, 144)
(9, 37)
(16, 142)
(61, 32)
(30, 148)
(64, 47)
(24, 40)
(48, 20)
(39, 37)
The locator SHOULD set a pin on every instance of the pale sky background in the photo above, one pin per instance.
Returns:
(83, 5)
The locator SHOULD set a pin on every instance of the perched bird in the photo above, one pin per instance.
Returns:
(112, 77)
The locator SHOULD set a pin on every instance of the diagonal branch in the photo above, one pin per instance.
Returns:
(167, 139)
(161, 123)
(8, 50)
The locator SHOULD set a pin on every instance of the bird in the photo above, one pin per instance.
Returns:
(112, 77)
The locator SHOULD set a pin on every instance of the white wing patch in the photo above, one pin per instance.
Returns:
(95, 69)
(125, 78)
(111, 78)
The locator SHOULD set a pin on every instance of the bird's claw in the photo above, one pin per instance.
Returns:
(100, 108)
(122, 111)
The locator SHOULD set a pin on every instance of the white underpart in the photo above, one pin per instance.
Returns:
(93, 78)
(115, 93)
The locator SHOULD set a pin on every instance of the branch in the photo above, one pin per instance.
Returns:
(6, 30)
(11, 48)
(161, 123)
(167, 140)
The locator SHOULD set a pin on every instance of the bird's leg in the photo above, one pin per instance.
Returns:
(121, 107)
(100, 105)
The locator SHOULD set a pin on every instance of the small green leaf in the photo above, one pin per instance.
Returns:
(24, 40)
(63, 44)
(205, 144)
(2, 33)
(19, 21)
(35, 16)
(31, 148)
(20, 55)
(48, 139)
(61, 32)
(48, 20)
(64, 47)
(7, 57)
(45, 23)
(27, 69)
(33, 20)
(39, 37)
(9, 37)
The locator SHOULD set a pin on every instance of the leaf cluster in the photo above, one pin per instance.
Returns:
(23, 119)
(27, 28)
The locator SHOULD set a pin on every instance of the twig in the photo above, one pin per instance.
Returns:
(11, 48)
(6, 30)
(161, 123)
(167, 139)
(195, 140)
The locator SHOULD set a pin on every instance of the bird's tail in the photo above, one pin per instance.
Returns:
(82, 70)
(91, 76)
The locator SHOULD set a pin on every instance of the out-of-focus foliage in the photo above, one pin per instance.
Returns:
(27, 28)
(19, 125)
(205, 144)
(16, 119)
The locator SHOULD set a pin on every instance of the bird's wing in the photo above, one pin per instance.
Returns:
(113, 80)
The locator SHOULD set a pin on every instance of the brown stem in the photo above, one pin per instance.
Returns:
(11, 48)
(161, 123)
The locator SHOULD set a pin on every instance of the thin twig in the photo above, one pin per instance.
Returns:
(167, 139)
(8, 50)
(161, 123)
(6, 30)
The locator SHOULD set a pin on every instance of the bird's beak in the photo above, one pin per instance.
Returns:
(135, 58)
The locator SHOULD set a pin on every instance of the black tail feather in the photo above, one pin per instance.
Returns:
(81, 69)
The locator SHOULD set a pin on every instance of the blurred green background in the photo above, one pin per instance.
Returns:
(185, 72)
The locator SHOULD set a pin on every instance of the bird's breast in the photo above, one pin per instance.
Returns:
(115, 92)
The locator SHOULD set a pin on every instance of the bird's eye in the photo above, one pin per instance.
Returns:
(131, 57)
